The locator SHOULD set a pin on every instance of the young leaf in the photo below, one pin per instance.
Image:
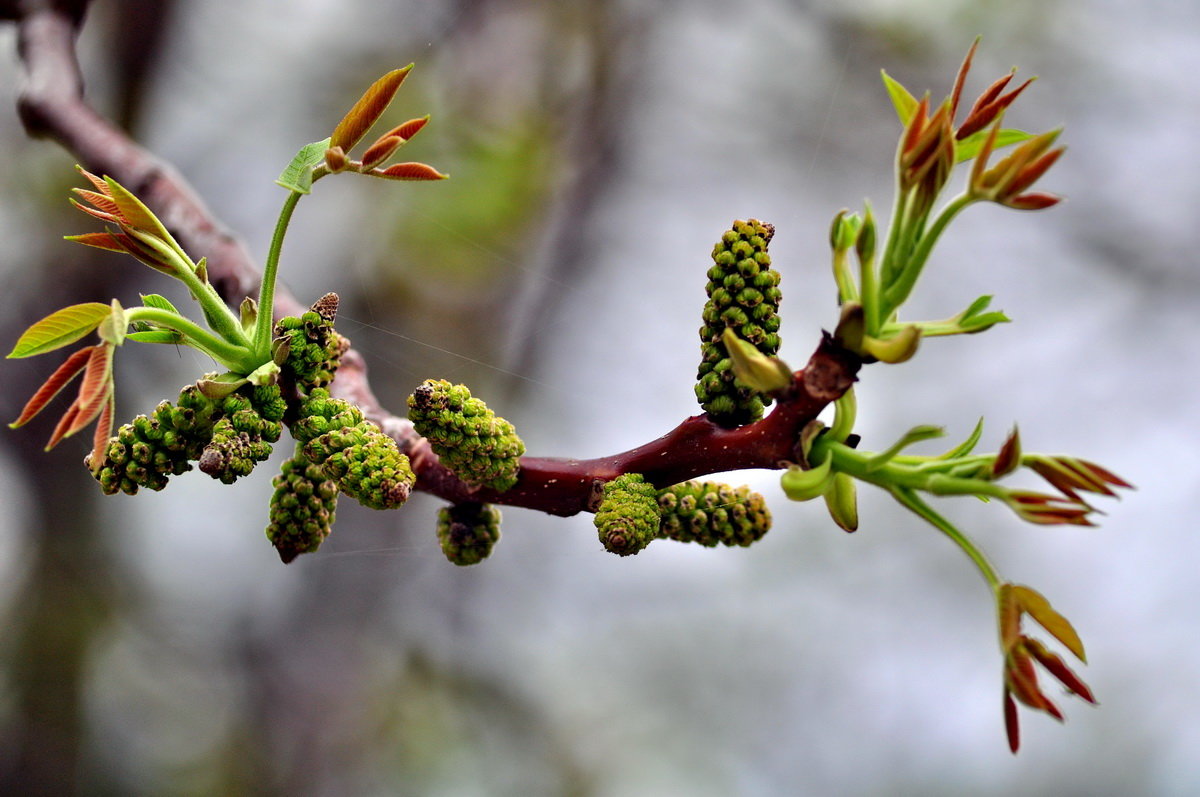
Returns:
(158, 302)
(112, 329)
(1036, 606)
(409, 171)
(297, 177)
(156, 336)
(95, 389)
(135, 213)
(970, 146)
(60, 328)
(359, 119)
(904, 102)
(912, 436)
(52, 386)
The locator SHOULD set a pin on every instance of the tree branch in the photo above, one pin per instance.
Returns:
(51, 105)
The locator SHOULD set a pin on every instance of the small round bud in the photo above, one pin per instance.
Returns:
(468, 532)
(629, 516)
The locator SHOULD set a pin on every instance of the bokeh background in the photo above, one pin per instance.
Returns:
(155, 645)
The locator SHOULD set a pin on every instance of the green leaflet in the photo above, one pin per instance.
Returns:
(297, 177)
(969, 147)
(60, 328)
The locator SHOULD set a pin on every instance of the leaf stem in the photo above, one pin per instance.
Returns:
(232, 356)
(906, 277)
(266, 292)
(913, 502)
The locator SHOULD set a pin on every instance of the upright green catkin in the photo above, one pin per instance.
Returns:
(628, 517)
(479, 447)
(468, 532)
(743, 295)
(709, 513)
(314, 349)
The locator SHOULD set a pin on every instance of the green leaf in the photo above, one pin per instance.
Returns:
(136, 213)
(60, 328)
(218, 387)
(969, 147)
(904, 102)
(1036, 606)
(156, 336)
(297, 177)
(158, 302)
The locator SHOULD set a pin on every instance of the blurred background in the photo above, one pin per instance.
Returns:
(155, 645)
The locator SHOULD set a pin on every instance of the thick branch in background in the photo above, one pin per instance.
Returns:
(52, 105)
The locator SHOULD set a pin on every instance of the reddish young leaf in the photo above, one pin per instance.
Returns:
(380, 151)
(1009, 457)
(1011, 725)
(359, 119)
(1058, 668)
(102, 205)
(406, 130)
(410, 171)
(961, 77)
(64, 423)
(98, 240)
(94, 390)
(100, 437)
(52, 386)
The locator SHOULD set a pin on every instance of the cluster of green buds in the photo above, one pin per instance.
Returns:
(302, 507)
(467, 532)
(479, 447)
(308, 347)
(353, 451)
(628, 517)
(243, 435)
(632, 514)
(743, 296)
(226, 436)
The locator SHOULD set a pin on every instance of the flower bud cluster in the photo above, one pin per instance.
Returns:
(302, 508)
(147, 451)
(628, 517)
(313, 348)
(468, 532)
(365, 462)
(481, 449)
(743, 295)
(710, 513)
(242, 436)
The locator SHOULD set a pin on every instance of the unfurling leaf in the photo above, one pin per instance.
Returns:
(60, 328)
(297, 177)
(903, 101)
(359, 119)
(1036, 606)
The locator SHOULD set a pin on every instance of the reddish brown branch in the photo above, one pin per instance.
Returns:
(51, 105)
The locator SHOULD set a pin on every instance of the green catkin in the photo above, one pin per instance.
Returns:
(148, 450)
(480, 448)
(468, 532)
(365, 462)
(250, 422)
(743, 295)
(709, 513)
(314, 349)
(628, 518)
(302, 508)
